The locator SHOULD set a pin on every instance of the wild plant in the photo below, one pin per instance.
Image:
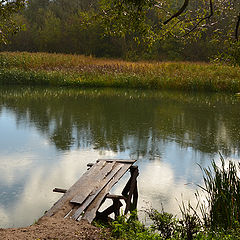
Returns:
(222, 186)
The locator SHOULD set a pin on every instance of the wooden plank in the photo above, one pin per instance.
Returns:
(94, 184)
(90, 165)
(63, 205)
(118, 160)
(96, 191)
(112, 196)
(59, 190)
(91, 210)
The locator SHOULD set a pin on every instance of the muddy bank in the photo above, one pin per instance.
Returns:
(54, 228)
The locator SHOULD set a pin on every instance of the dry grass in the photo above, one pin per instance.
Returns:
(80, 70)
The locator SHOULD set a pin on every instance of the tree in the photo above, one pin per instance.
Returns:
(7, 25)
(153, 19)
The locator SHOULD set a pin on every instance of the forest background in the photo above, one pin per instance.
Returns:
(63, 26)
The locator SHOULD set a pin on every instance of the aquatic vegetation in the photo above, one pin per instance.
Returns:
(82, 71)
(222, 186)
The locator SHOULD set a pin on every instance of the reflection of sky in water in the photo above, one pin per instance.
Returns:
(30, 168)
(31, 165)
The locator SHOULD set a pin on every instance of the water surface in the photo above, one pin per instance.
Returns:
(47, 137)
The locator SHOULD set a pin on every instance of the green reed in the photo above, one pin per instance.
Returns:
(222, 186)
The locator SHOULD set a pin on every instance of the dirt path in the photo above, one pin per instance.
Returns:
(54, 229)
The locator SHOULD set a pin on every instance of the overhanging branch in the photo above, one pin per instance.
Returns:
(179, 12)
(202, 19)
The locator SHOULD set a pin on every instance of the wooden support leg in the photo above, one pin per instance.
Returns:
(130, 191)
(129, 195)
(114, 208)
(135, 197)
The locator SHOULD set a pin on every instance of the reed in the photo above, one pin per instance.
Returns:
(77, 70)
(222, 185)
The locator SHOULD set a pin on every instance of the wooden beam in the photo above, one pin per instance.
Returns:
(59, 190)
(111, 196)
(118, 160)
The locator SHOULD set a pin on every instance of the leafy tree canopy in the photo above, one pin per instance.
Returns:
(150, 20)
(7, 24)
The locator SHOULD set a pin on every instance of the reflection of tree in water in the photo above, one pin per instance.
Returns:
(128, 120)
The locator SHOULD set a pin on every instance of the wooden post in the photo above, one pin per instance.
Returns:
(130, 191)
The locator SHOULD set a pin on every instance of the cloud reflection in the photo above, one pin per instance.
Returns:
(14, 166)
(158, 186)
(37, 195)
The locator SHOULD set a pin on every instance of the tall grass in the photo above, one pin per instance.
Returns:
(77, 70)
(222, 185)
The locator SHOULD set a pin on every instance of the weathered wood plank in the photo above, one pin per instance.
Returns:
(90, 165)
(118, 160)
(91, 187)
(59, 190)
(63, 205)
(90, 212)
(112, 196)
(97, 190)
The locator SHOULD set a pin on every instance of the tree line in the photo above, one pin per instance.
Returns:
(118, 29)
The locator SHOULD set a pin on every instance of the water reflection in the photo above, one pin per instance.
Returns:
(47, 136)
(26, 199)
(127, 120)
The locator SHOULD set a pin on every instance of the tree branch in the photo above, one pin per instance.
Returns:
(179, 12)
(202, 19)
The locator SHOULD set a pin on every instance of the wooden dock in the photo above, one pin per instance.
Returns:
(85, 197)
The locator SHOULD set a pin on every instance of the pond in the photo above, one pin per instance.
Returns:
(47, 137)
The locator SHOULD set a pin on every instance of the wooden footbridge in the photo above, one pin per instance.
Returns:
(85, 197)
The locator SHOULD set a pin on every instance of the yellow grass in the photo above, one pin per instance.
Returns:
(118, 73)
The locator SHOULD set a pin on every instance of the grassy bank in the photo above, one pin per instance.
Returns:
(80, 71)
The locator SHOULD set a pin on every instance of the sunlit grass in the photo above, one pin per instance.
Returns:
(78, 70)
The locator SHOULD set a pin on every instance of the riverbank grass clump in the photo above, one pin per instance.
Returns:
(222, 186)
(80, 71)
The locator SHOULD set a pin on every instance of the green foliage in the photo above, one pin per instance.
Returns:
(132, 229)
(230, 53)
(7, 24)
(222, 185)
(131, 30)
(164, 222)
(170, 227)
